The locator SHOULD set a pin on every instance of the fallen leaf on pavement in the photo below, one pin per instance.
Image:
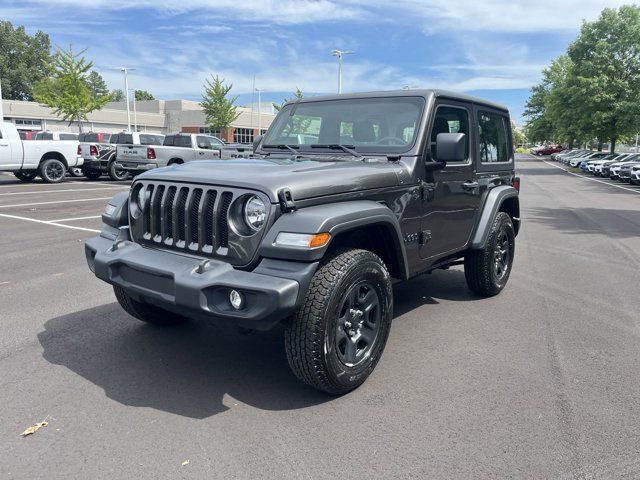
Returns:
(34, 428)
(186, 462)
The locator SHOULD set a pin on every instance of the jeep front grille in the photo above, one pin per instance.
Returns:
(192, 218)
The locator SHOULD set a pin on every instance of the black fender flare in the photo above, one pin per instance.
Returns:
(490, 208)
(333, 218)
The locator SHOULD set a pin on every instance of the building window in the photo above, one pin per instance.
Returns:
(243, 135)
(216, 132)
(27, 123)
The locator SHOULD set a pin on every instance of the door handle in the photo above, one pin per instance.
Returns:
(4, 144)
(470, 185)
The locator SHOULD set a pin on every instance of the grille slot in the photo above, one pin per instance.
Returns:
(180, 207)
(193, 218)
(208, 239)
(223, 226)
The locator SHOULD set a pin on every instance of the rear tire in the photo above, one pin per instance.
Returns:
(26, 175)
(52, 170)
(487, 271)
(145, 312)
(117, 174)
(335, 339)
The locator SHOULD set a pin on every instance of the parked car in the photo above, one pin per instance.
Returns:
(27, 159)
(311, 235)
(590, 157)
(546, 150)
(605, 169)
(576, 160)
(614, 172)
(176, 149)
(592, 165)
(634, 179)
(624, 173)
(101, 158)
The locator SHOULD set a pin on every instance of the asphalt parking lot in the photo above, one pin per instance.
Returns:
(538, 382)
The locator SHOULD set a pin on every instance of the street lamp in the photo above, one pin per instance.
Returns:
(135, 111)
(125, 72)
(259, 111)
(339, 54)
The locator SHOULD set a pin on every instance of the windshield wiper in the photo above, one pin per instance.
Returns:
(336, 146)
(284, 146)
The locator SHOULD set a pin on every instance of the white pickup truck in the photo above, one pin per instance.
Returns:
(100, 154)
(48, 158)
(177, 148)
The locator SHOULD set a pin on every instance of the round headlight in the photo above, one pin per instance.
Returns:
(255, 212)
(142, 196)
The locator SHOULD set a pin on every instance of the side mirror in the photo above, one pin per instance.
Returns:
(451, 147)
(256, 142)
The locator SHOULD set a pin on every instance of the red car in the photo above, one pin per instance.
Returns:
(547, 150)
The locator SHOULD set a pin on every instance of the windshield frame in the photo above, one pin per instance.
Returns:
(365, 150)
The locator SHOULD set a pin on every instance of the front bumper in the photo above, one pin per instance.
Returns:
(199, 288)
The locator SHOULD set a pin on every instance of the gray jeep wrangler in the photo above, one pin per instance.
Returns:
(345, 195)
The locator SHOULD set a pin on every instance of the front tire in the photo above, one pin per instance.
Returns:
(335, 339)
(26, 175)
(487, 271)
(52, 170)
(145, 312)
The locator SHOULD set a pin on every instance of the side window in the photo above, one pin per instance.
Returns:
(203, 142)
(216, 142)
(449, 120)
(493, 136)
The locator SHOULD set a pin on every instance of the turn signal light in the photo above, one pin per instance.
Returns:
(516, 183)
(93, 151)
(151, 153)
(79, 150)
(319, 240)
(305, 240)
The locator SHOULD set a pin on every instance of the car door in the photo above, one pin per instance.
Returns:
(452, 192)
(10, 154)
(204, 149)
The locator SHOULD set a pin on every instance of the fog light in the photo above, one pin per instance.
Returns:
(236, 300)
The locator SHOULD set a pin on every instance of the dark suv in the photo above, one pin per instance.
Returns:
(346, 194)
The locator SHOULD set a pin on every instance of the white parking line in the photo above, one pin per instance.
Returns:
(75, 218)
(55, 202)
(65, 190)
(16, 217)
(27, 184)
(593, 179)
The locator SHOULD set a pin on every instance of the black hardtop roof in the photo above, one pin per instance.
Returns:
(426, 93)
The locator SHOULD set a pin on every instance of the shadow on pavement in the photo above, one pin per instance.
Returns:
(188, 369)
(609, 222)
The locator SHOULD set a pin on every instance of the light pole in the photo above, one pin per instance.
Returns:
(135, 112)
(339, 54)
(125, 72)
(259, 112)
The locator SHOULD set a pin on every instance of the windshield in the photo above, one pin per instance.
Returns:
(368, 125)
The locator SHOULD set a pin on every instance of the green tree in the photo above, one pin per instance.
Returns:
(519, 138)
(219, 110)
(65, 90)
(297, 95)
(23, 60)
(117, 95)
(606, 73)
(142, 95)
(96, 84)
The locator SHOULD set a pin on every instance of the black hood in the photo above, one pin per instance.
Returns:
(306, 178)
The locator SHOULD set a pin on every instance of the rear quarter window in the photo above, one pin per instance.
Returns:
(493, 136)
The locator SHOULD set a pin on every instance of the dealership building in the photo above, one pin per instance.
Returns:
(154, 116)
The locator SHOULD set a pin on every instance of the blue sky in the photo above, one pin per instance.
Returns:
(494, 48)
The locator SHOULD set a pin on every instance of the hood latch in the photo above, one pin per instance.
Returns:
(285, 197)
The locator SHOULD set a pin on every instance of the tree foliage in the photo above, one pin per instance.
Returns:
(142, 95)
(96, 84)
(297, 95)
(219, 110)
(117, 95)
(65, 89)
(23, 60)
(592, 92)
